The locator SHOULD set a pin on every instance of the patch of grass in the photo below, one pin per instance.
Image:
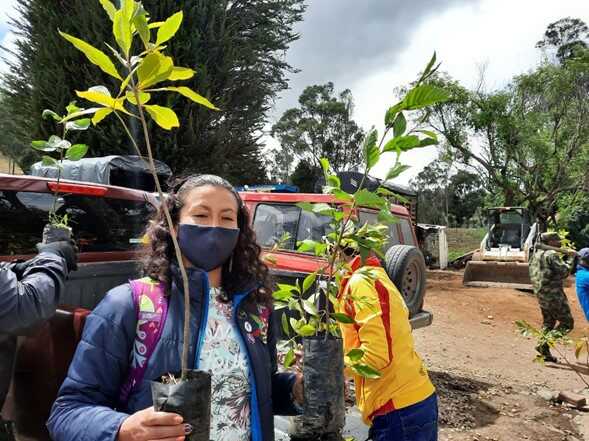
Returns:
(463, 240)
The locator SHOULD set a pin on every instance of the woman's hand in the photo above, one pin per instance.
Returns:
(149, 425)
(298, 390)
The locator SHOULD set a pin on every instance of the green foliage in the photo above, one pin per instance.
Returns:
(566, 37)
(447, 196)
(321, 127)
(347, 233)
(238, 68)
(62, 148)
(530, 137)
(559, 341)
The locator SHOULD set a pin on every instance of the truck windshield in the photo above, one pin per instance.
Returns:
(287, 225)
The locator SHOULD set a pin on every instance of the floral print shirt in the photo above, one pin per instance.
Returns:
(224, 357)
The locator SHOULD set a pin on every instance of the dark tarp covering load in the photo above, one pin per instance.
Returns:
(123, 171)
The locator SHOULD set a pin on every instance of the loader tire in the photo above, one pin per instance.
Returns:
(406, 268)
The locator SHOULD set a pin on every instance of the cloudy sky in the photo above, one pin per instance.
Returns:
(373, 46)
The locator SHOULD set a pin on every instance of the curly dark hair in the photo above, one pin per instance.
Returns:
(243, 269)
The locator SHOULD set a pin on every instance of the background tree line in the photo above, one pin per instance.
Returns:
(526, 144)
(236, 47)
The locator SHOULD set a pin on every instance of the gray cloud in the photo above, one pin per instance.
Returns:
(342, 40)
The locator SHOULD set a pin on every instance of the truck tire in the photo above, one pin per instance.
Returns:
(406, 268)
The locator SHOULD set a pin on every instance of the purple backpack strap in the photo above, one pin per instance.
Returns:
(151, 305)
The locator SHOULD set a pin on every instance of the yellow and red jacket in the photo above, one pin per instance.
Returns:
(383, 331)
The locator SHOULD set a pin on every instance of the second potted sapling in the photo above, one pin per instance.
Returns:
(55, 150)
(314, 309)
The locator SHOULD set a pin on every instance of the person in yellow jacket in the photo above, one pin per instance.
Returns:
(401, 404)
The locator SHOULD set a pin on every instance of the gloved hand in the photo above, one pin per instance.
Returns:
(18, 268)
(66, 249)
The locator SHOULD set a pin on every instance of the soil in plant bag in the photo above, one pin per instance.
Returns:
(324, 409)
(53, 233)
(191, 399)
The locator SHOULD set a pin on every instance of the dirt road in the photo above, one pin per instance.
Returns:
(483, 368)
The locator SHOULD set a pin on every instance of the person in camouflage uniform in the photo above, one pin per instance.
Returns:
(548, 270)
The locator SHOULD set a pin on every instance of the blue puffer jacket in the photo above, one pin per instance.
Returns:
(87, 407)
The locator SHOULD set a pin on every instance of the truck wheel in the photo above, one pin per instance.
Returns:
(406, 268)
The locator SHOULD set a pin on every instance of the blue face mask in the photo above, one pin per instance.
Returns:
(207, 248)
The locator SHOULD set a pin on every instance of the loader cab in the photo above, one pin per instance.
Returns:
(507, 226)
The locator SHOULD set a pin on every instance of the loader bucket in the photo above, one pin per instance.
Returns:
(497, 274)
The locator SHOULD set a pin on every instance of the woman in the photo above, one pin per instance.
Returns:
(231, 332)
(401, 404)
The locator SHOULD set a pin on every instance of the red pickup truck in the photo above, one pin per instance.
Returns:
(108, 223)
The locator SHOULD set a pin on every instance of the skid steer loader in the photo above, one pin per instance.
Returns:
(502, 260)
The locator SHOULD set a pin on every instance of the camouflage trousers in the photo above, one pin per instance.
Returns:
(555, 308)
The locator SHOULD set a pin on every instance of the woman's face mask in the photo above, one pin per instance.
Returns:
(208, 231)
(207, 248)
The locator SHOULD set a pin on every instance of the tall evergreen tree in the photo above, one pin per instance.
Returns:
(237, 48)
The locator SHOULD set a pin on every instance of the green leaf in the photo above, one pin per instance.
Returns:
(366, 198)
(43, 146)
(189, 93)
(144, 97)
(366, 371)
(282, 294)
(76, 152)
(323, 209)
(343, 318)
(101, 95)
(386, 217)
(400, 125)
(320, 249)
(370, 149)
(78, 124)
(294, 323)
(47, 113)
(49, 161)
(428, 69)
(289, 358)
(285, 326)
(142, 26)
(334, 181)
(424, 95)
(181, 73)
(391, 113)
(100, 115)
(396, 170)
(164, 117)
(154, 68)
(429, 133)
(310, 308)
(72, 108)
(307, 245)
(169, 28)
(306, 330)
(58, 143)
(343, 195)
(427, 142)
(355, 354)
(156, 24)
(402, 143)
(309, 281)
(325, 165)
(109, 8)
(95, 56)
(306, 206)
